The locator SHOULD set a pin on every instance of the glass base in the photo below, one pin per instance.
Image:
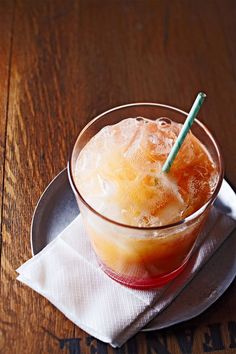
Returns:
(144, 284)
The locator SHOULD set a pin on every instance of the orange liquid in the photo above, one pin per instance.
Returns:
(119, 174)
(141, 262)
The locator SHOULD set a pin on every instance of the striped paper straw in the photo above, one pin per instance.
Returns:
(184, 131)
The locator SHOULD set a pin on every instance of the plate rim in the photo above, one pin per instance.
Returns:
(36, 209)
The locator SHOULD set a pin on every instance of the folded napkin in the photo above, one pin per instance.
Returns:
(67, 274)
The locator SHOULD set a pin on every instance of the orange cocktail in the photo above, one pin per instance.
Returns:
(143, 223)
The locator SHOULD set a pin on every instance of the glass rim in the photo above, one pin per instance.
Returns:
(192, 216)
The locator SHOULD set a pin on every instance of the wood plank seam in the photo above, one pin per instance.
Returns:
(6, 120)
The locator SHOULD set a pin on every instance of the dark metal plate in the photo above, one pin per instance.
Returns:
(57, 207)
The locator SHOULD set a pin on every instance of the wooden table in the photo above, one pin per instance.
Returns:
(62, 63)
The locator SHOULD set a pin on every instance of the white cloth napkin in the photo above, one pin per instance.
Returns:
(67, 274)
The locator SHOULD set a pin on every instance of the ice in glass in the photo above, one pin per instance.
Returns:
(141, 221)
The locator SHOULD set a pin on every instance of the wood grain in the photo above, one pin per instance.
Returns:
(38, 141)
(6, 22)
(69, 61)
(6, 13)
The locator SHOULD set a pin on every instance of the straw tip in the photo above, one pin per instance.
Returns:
(202, 94)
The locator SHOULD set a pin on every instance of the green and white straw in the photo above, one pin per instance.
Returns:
(184, 131)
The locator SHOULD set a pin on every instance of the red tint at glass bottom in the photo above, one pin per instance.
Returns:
(143, 284)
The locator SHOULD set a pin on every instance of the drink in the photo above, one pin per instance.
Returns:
(142, 222)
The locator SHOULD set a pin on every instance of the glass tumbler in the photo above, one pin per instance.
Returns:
(143, 257)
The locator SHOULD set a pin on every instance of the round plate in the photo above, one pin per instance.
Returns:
(57, 207)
